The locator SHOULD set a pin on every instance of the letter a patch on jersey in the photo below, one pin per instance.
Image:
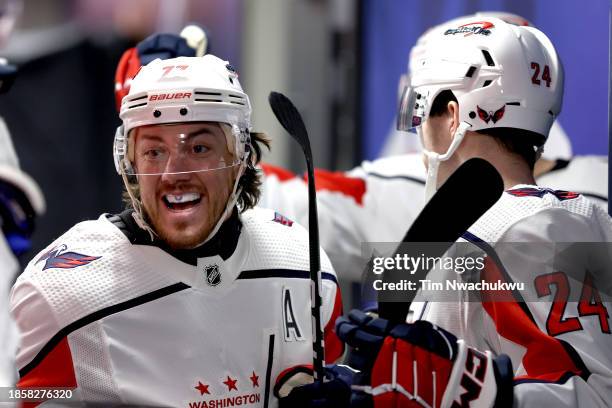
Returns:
(291, 328)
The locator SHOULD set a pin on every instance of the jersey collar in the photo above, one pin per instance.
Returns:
(223, 243)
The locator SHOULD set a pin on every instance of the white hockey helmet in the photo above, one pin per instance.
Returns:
(184, 89)
(503, 75)
(179, 90)
(416, 53)
(418, 49)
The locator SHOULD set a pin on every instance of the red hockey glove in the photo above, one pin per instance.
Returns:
(422, 365)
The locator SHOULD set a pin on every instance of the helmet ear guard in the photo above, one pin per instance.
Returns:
(120, 150)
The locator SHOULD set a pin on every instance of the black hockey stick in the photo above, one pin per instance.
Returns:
(467, 194)
(291, 120)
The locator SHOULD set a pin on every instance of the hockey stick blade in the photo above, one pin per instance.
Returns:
(467, 194)
(291, 120)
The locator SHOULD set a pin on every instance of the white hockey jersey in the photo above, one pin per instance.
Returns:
(121, 321)
(556, 329)
(379, 200)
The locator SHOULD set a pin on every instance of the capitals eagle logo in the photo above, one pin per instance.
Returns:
(490, 115)
(57, 258)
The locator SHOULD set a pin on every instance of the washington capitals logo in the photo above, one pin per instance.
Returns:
(281, 219)
(477, 27)
(490, 115)
(57, 258)
(541, 192)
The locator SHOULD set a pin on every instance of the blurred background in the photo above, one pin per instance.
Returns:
(338, 60)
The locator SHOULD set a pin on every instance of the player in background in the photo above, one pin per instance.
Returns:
(190, 297)
(390, 189)
(21, 201)
(555, 331)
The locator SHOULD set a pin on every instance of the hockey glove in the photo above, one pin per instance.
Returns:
(295, 387)
(365, 333)
(162, 46)
(421, 364)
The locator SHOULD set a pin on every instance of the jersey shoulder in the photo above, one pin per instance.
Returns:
(587, 175)
(91, 266)
(78, 247)
(276, 242)
(545, 210)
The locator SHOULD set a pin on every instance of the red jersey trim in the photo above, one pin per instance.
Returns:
(546, 358)
(55, 370)
(337, 182)
(279, 172)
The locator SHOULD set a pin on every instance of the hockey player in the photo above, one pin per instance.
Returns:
(190, 297)
(492, 90)
(21, 201)
(390, 189)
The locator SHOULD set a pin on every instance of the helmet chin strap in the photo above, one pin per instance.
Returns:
(231, 202)
(233, 198)
(434, 159)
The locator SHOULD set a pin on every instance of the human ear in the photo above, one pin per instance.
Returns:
(452, 110)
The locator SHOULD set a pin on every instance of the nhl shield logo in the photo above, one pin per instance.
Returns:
(213, 276)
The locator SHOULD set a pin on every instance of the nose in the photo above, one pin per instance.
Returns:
(176, 168)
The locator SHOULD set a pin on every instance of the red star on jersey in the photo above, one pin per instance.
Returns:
(231, 384)
(255, 379)
(203, 388)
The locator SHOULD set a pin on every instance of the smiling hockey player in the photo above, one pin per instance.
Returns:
(189, 297)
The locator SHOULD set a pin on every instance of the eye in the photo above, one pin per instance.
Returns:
(199, 149)
(153, 154)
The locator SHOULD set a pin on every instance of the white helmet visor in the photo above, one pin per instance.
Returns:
(179, 149)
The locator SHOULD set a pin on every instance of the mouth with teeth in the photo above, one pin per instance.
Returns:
(180, 202)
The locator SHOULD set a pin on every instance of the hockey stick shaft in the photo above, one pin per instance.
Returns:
(315, 275)
(468, 193)
(291, 120)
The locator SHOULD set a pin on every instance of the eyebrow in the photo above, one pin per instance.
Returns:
(201, 131)
(191, 135)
